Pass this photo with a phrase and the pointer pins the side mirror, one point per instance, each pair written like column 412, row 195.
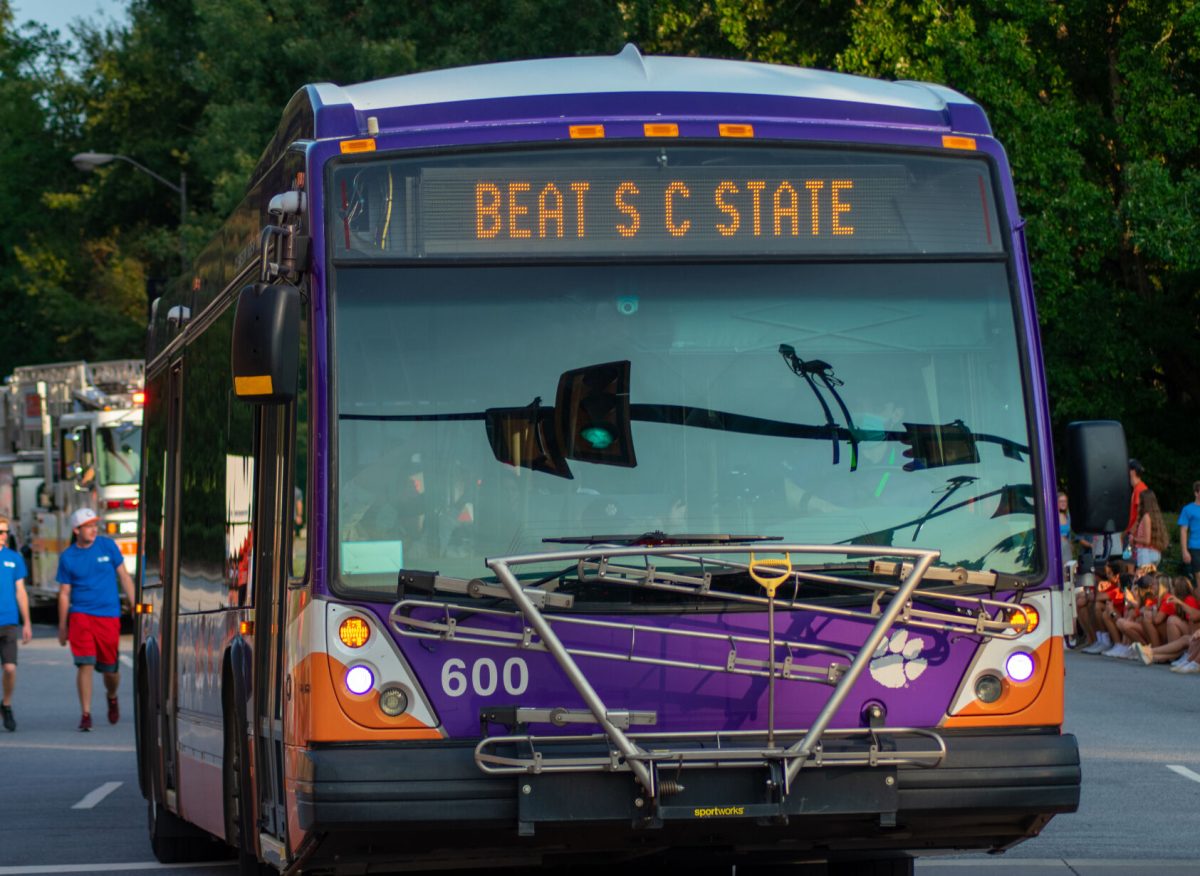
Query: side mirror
column 1098, row 476
column 266, row 343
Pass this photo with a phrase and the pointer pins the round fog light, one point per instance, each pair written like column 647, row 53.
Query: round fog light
column 988, row 688
column 1019, row 666
column 359, row 679
column 393, row 701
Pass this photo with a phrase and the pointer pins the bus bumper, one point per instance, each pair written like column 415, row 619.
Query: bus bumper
column 990, row 792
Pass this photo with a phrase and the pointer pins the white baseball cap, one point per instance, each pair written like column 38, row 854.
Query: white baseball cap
column 82, row 516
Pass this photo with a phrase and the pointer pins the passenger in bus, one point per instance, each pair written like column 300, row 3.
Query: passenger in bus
column 385, row 499
column 91, row 575
column 14, row 619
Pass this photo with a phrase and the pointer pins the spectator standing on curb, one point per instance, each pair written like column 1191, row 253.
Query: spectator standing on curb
column 14, row 620
column 89, row 610
column 1150, row 535
column 1189, row 534
column 1135, row 503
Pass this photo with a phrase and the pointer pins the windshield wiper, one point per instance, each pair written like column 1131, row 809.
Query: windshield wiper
column 658, row 538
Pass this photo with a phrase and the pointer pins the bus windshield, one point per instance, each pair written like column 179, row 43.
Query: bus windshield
column 822, row 401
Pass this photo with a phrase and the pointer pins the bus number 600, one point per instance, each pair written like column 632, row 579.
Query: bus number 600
column 484, row 677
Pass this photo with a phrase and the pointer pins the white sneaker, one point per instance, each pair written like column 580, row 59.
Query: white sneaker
column 1102, row 644
column 1180, row 660
column 1189, row 668
column 1117, row 651
column 1134, row 651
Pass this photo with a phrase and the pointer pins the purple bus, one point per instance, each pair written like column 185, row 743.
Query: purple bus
column 625, row 459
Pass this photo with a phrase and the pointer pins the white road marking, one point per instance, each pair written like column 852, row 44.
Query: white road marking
column 127, row 660
column 1184, row 771
column 91, row 799
column 36, row 869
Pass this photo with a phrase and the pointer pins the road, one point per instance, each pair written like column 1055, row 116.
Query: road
column 69, row 801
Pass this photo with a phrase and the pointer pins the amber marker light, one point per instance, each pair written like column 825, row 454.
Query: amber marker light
column 661, row 129
column 350, row 147
column 354, row 632
column 1024, row 619
column 246, row 628
column 736, row 130
column 143, row 608
column 952, row 142
column 587, row 132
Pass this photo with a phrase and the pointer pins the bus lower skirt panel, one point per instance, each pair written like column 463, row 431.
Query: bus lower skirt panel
column 431, row 804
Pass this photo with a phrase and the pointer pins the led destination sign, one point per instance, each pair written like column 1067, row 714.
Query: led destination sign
column 648, row 211
column 945, row 208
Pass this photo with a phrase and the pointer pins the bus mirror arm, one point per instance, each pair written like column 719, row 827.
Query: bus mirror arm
column 284, row 253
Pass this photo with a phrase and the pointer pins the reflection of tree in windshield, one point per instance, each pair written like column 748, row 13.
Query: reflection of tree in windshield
column 1012, row 499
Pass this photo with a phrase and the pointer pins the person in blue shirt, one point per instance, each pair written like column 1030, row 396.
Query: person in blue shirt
column 14, row 620
column 89, row 610
column 1189, row 534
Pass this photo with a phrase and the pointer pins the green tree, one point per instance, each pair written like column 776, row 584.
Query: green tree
column 1094, row 101
column 1096, row 105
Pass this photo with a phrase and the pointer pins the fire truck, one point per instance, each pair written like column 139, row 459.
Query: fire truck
column 72, row 439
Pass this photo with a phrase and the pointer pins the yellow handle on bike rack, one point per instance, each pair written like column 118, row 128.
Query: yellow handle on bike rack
column 770, row 582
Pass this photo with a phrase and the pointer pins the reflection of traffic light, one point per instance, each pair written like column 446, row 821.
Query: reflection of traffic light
column 933, row 446
column 592, row 414
column 524, row 438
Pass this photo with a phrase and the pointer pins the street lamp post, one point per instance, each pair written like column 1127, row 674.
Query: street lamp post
column 89, row 161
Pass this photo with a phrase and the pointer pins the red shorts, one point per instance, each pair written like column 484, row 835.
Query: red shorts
column 94, row 640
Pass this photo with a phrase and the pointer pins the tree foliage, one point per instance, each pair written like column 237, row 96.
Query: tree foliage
column 1096, row 103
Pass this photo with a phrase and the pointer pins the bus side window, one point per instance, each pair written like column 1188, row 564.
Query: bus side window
column 299, row 553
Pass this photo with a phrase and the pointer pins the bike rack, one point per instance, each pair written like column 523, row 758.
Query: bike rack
column 787, row 751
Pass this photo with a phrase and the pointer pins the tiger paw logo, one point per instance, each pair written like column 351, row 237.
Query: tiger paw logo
column 898, row 660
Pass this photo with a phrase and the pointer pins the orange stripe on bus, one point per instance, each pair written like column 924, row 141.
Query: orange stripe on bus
column 1035, row 703
column 327, row 712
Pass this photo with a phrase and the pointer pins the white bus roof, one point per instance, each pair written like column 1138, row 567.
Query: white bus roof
column 630, row 71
